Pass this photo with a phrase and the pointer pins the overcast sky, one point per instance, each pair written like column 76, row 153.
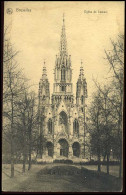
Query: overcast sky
column 36, row 35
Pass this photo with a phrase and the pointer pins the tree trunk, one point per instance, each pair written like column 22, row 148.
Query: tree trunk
column 120, row 167
column 99, row 160
column 23, row 165
column 120, row 162
column 104, row 156
column 12, row 159
column 29, row 162
column 24, row 158
column 41, row 138
column 120, row 145
column 120, row 130
column 24, row 148
column 108, row 164
column 40, row 147
column 29, row 165
column 12, row 141
column 99, row 167
column 98, row 144
column 90, row 155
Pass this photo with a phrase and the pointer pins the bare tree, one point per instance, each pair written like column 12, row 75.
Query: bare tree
column 95, row 128
column 27, row 126
column 13, row 86
column 23, row 105
column 107, row 123
column 115, row 58
column 32, row 124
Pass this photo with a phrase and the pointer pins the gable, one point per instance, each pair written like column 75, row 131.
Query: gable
column 62, row 107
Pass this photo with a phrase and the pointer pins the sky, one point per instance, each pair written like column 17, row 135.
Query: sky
column 89, row 27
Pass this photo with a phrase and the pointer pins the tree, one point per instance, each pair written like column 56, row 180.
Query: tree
column 32, row 124
column 107, row 124
column 13, row 87
column 101, row 125
column 115, row 58
column 95, row 127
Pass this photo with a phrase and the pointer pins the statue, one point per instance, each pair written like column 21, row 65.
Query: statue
column 62, row 125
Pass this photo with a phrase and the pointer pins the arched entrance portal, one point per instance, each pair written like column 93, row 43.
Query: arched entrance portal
column 76, row 149
column 63, row 123
column 64, row 147
column 50, row 149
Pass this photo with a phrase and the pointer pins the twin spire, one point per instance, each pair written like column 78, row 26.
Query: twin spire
column 81, row 75
column 44, row 72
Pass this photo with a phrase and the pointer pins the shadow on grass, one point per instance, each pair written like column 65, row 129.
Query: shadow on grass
column 80, row 179
column 6, row 174
column 16, row 170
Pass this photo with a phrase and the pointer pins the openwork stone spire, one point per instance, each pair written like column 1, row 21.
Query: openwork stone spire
column 81, row 84
column 63, row 87
column 44, row 73
column 63, row 42
column 81, row 75
column 44, row 91
column 63, row 59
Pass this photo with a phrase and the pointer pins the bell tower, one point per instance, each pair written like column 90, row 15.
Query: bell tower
column 62, row 87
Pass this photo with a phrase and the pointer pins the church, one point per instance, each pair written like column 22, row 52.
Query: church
column 62, row 116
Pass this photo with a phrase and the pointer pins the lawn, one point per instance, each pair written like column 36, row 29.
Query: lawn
column 114, row 170
column 59, row 178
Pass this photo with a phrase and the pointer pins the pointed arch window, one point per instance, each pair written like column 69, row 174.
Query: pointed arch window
column 82, row 99
column 62, row 88
column 50, row 126
column 63, row 74
column 76, row 127
column 43, row 97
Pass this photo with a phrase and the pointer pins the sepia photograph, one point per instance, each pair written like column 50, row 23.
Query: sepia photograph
column 63, row 96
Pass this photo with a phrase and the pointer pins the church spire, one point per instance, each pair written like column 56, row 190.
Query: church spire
column 63, row 71
column 81, row 87
column 63, row 42
column 81, row 75
column 44, row 91
column 44, row 73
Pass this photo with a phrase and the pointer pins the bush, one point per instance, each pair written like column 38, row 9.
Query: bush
column 41, row 163
column 65, row 161
column 92, row 162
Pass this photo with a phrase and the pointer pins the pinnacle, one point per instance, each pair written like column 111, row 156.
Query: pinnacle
column 44, row 72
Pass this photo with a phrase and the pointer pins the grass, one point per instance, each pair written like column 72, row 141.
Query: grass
column 114, row 170
column 59, row 178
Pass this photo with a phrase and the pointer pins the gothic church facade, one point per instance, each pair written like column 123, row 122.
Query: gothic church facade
column 62, row 116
